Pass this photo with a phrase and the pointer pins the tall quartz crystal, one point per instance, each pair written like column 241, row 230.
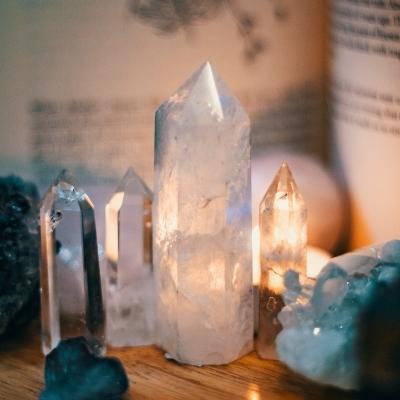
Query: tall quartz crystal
column 130, row 280
column 71, row 297
column 283, row 246
column 202, row 223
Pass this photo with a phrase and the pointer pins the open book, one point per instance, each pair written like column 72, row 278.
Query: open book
column 81, row 81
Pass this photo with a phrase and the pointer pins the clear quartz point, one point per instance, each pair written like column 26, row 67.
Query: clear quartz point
column 283, row 247
column 71, row 296
column 202, row 223
column 130, row 281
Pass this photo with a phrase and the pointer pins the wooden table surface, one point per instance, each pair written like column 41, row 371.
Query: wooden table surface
column 152, row 377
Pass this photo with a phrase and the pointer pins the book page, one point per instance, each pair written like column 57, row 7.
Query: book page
column 81, row 80
column 366, row 113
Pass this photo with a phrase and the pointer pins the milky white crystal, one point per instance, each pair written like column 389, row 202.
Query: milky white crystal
column 130, row 279
column 202, row 223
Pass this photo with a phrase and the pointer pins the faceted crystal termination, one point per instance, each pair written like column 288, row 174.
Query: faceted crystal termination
column 283, row 246
column 202, row 222
column 71, row 298
column 130, row 283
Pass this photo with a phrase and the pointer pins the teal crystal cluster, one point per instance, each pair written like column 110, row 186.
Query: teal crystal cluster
column 321, row 336
column 72, row 371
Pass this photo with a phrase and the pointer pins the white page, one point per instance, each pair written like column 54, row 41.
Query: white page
column 366, row 114
column 81, row 80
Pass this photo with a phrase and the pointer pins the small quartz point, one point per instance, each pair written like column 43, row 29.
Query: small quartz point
column 71, row 297
column 130, row 282
column 202, row 223
column 283, row 246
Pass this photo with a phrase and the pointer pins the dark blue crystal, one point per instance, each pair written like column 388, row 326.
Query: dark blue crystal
column 73, row 372
column 19, row 253
column 379, row 343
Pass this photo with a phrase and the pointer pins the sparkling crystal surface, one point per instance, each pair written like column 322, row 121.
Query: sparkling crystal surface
column 71, row 298
column 130, row 282
column 283, row 245
column 202, row 220
column 321, row 326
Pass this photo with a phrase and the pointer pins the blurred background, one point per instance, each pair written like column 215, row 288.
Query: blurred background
column 81, row 80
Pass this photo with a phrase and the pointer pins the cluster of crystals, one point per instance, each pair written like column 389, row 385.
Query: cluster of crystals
column 283, row 246
column 202, row 222
column 320, row 322
column 130, row 282
column 72, row 371
column 71, row 297
column 19, row 255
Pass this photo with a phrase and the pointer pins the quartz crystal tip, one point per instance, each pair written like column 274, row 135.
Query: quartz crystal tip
column 65, row 176
column 206, row 89
column 133, row 184
column 283, row 192
column 205, row 98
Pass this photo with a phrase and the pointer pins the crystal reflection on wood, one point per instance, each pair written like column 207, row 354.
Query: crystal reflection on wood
column 130, row 282
column 283, row 245
column 71, row 297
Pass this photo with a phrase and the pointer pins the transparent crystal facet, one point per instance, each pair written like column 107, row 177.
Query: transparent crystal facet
column 130, row 283
column 202, row 215
column 283, row 246
column 71, row 297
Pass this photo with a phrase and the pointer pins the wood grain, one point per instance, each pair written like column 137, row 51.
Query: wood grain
column 152, row 377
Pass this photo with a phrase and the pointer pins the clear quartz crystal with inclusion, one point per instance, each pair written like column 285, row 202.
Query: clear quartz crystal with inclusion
column 71, row 296
column 283, row 246
column 202, row 223
column 130, row 280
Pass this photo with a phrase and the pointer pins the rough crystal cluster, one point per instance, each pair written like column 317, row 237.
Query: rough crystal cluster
column 71, row 296
column 19, row 253
column 130, row 280
column 283, row 246
column 72, row 371
column 379, row 344
column 202, row 223
column 321, row 335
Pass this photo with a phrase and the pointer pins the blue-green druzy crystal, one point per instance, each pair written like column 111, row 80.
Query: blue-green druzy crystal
column 73, row 372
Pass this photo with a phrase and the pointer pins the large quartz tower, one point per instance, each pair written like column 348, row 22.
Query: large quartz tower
column 70, row 286
column 202, row 223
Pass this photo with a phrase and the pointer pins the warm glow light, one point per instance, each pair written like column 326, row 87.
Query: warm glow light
column 253, row 393
column 275, row 282
column 316, row 259
column 256, row 254
column 111, row 242
column 283, row 203
column 289, row 235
